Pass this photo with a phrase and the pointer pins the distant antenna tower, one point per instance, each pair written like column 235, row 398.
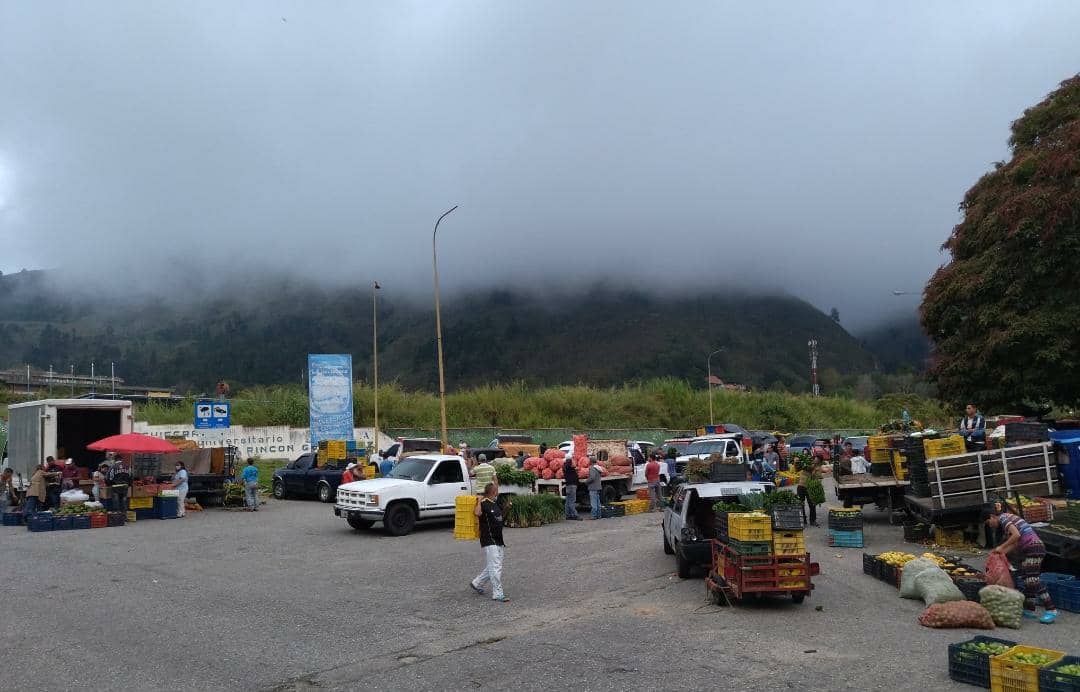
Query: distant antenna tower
column 812, row 343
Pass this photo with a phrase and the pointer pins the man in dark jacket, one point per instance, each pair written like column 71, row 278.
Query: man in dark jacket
column 570, row 484
column 491, row 540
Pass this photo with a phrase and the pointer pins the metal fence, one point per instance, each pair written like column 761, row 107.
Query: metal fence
column 481, row 437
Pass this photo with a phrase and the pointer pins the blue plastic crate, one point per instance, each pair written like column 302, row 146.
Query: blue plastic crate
column 1054, row 576
column 972, row 667
column 144, row 513
column 12, row 518
column 1066, row 595
column 1052, row 681
column 845, row 539
column 166, row 507
column 64, row 523
column 40, row 521
column 80, row 521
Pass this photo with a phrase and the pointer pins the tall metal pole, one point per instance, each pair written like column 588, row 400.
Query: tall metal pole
column 112, row 376
column 27, row 378
column 813, row 365
column 50, row 380
column 708, row 379
column 93, row 382
column 375, row 357
column 72, row 380
column 438, row 331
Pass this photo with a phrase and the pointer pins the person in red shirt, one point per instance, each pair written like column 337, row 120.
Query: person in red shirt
column 652, row 477
column 347, row 476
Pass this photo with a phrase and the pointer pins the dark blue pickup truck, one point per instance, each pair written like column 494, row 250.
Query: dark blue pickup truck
column 304, row 478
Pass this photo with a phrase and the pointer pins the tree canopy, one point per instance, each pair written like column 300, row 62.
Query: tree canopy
column 1004, row 313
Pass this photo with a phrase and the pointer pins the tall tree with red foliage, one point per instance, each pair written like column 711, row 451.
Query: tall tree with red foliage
column 1004, row 313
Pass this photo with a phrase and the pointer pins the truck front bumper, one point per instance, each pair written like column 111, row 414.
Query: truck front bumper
column 371, row 514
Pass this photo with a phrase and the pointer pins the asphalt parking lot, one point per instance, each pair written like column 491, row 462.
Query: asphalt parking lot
column 292, row 599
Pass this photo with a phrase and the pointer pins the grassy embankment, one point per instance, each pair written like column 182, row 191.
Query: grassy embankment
column 665, row 403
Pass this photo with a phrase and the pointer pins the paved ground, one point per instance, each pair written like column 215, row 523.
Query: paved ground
column 291, row 599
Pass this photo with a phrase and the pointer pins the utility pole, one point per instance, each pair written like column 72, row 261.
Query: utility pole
column 50, row 380
column 27, row 378
column 112, row 375
column 812, row 343
column 72, row 380
column 375, row 358
column 438, row 332
column 93, row 382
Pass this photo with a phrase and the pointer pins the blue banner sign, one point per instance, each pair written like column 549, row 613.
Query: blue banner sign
column 330, row 397
column 212, row 414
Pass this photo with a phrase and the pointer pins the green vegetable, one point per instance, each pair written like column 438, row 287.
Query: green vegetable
column 1070, row 669
column 509, row 475
column 989, row 648
column 815, row 491
column 780, row 498
column 1031, row 659
column 534, row 510
column 728, row 507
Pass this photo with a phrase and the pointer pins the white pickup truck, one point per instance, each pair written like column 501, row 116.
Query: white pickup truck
column 690, row 524
column 726, row 445
column 419, row 488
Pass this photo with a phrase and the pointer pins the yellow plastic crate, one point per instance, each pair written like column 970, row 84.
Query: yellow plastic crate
column 950, row 538
column 465, row 502
column 947, row 447
column 789, row 543
column 140, row 503
column 750, row 527
column 335, row 449
column 1007, row 675
column 131, row 516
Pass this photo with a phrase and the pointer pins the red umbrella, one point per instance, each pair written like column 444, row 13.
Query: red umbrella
column 134, row 443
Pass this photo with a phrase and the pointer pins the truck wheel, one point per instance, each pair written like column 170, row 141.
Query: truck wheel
column 279, row 490
column 682, row 565
column 667, row 546
column 609, row 494
column 399, row 520
column 358, row 523
column 798, row 598
column 325, row 494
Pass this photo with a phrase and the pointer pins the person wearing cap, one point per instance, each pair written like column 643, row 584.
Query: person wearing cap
column 250, row 474
column 69, row 475
column 99, row 481
column 386, row 465
column 348, row 476
column 484, row 473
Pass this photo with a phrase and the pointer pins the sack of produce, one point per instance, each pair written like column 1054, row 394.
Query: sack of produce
column 1006, row 605
column 957, row 614
column 531, row 463
column 581, row 445
column 936, row 586
column 997, row 571
column 913, row 569
column 74, row 496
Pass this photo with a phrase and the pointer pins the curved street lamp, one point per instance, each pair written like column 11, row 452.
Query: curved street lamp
column 438, row 329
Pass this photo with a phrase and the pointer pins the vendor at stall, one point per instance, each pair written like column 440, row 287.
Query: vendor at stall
column 69, row 477
column 972, row 426
column 1022, row 544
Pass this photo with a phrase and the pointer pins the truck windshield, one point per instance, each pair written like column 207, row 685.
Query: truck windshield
column 704, row 449
column 412, row 469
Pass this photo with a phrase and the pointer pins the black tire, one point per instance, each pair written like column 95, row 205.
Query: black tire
column 798, row 598
column 608, row 494
column 279, row 490
column 667, row 546
column 324, row 493
column 716, row 597
column 683, row 567
column 399, row 519
column 848, row 504
column 358, row 523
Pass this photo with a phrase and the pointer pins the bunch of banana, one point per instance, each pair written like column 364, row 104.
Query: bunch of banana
column 896, row 558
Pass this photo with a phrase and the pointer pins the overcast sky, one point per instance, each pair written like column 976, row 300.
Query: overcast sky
column 820, row 148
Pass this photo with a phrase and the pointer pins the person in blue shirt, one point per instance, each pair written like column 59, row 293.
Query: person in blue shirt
column 250, row 474
column 973, row 426
column 386, row 466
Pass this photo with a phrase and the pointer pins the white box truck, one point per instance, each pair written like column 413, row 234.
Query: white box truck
column 62, row 428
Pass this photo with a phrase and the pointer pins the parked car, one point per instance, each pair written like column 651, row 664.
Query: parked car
column 727, row 444
column 679, row 443
column 413, row 445
column 420, row 488
column 305, row 478
column 689, row 522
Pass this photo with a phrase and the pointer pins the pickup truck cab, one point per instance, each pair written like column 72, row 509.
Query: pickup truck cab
column 304, row 478
column 690, row 523
column 419, row 488
column 726, row 445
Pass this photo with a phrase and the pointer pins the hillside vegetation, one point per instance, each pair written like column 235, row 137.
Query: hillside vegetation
column 261, row 332
column 663, row 403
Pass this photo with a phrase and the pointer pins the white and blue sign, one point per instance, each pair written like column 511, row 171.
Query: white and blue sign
column 330, row 397
column 212, row 414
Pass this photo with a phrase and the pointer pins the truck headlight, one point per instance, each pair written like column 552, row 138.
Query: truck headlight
column 373, row 500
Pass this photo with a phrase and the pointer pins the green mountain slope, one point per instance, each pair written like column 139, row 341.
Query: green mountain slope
column 261, row 334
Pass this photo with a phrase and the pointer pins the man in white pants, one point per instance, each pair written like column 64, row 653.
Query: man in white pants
column 491, row 540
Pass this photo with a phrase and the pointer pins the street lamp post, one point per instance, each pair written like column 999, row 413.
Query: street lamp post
column 375, row 358
column 438, row 330
column 708, row 380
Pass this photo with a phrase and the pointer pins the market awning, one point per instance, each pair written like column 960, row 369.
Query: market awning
column 134, row 443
